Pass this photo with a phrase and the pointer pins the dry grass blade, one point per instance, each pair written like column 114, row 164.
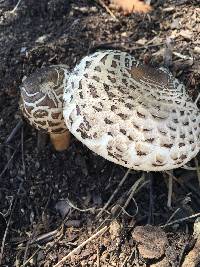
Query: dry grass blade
column 170, row 190
column 15, row 8
column 114, row 193
column 31, row 257
column 14, row 131
column 97, row 234
column 101, row 2
column 9, row 161
column 132, row 191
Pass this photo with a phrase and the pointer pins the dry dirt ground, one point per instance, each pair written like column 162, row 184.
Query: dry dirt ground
column 50, row 202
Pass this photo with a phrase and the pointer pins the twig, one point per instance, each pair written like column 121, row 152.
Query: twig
column 181, row 220
column 15, row 8
column 107, row 9
column 170, row 190
column 14, row 131
column 30, row 258
column 179, row 55
column 173, row 214
column 132, row 192
column 103, row 230
column 114, row 193
column 13, row 204
column 8, row 163
column 170, row 187
column 76, row 208
column 151, row 202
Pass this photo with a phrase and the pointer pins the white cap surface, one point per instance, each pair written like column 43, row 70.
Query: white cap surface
column 131, row 114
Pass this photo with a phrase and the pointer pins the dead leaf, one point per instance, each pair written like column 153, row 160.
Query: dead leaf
column 131, row 6
column 186, row 34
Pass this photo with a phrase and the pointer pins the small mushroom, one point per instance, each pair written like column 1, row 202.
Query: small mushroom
column 130, row 113
column 41, row 103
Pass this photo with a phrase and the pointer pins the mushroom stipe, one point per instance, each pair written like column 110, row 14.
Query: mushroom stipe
column 129, row 113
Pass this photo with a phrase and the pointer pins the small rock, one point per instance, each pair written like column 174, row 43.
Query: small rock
column 63, row 208
column 84, row 10
column 42, row 39
column 141, row 41
column 197, row 49
column 93, row 9
column 23, row 50
column 151, row 240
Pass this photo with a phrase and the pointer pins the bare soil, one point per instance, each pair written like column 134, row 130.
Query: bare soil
column 49, row 201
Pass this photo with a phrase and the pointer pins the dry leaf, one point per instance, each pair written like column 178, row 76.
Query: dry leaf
column 131, row 6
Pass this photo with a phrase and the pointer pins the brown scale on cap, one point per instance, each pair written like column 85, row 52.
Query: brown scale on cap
column 41, row 103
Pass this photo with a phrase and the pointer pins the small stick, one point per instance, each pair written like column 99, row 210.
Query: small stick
column 132, row 192
column 151, row 202
column 30, row 258
column 181, row 220
column 14, row 131
column 107, row 9
column 8, row 163
column 173, row 214
column 15, row 8
column 101, row 231
column 170, row 190
column 12, row 207
column 114, row 193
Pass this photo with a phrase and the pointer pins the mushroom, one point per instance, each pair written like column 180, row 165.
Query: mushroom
column 130, row 113
column 41, row 103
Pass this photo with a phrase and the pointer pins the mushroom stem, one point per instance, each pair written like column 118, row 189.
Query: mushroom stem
column 60, row 141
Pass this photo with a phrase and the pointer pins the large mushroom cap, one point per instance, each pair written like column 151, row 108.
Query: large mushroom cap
column 42, row 99
column 131, row 114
